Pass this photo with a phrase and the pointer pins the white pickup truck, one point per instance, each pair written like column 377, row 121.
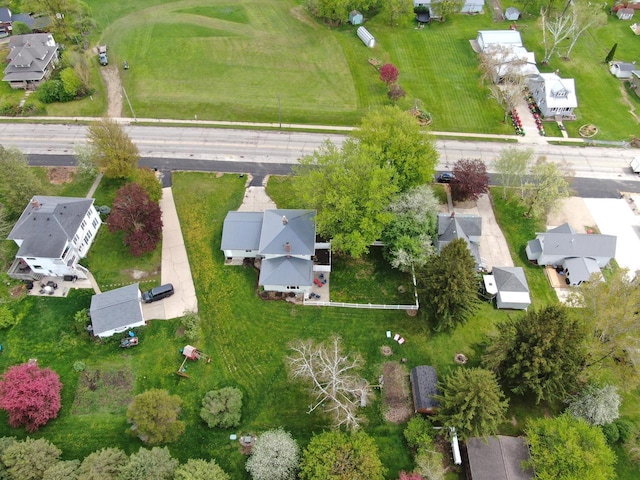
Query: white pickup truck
column 635, row 165
column 102, row 55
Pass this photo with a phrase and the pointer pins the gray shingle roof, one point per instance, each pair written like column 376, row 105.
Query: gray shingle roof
column 510, row 279
column 116, row 309
column 579, row 245
column 424, row 383
column 625, row 67
column 241, row 231
column 46, row 228
column 564, row 228
column 498, row 458
column 293, row 227
column 284, row 270
column 460, row 226
column 580, row 269
column 28, row 57
column 535, row 246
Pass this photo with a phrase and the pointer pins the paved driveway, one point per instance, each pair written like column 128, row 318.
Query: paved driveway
column 175, row 267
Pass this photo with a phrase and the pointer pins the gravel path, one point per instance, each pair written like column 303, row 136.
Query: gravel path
column 111, row 78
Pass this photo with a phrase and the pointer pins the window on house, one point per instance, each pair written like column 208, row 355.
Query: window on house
column 75, row 238
column 37, row 267
column 94, row 223
column 248, row 251
column 83, row 224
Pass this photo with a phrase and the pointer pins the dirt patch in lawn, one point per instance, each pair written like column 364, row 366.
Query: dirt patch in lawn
column 60, row 175
column 111, row 78
column 396, row 393
column 103, row 391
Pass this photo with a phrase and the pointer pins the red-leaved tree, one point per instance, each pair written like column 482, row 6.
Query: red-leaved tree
column 31, row 395
column 139, row 217
column 410, row 476
column 471, row 180
column 389, row 73
column 396, row 92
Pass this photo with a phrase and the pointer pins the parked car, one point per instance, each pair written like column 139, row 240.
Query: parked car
column 445, row 177
column 158, row 293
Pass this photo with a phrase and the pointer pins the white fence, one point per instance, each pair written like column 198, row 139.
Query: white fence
column 372, row 306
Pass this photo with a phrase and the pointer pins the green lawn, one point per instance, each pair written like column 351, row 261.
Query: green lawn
column 247, row 339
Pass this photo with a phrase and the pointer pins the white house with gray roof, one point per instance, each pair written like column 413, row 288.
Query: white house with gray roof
column 283, row 240
column 555, row 96
column 580, row 254
column 31, row 59
column 53, row 234
column 466, row 227
column 116, row 311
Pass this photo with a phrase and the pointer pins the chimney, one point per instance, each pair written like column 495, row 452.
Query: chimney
column 284, row 220
column 35, row 203
column 287, row 247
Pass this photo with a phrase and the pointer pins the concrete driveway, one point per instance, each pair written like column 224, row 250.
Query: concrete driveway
column 493, row 246
column 175, row 267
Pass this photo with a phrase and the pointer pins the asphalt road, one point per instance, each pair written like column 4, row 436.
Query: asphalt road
column 599, row 172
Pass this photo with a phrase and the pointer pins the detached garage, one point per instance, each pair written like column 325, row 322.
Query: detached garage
column 116, row 311
column 513, row 289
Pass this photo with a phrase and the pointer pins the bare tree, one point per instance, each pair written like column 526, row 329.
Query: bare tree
column 504, row 72
column 555, row 28
column 512, row 165
column 333, row 379
column 584, row 16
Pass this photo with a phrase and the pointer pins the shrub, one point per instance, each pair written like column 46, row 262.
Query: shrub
column 611, row 433
column 146, row 178
column 222, row 408
column 81, row 320
column 191, row 323
column 7, row 319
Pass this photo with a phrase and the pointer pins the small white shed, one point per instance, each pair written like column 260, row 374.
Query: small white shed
column 625, row 13
column 512, row 14
column 622, row 69
column 366, row 37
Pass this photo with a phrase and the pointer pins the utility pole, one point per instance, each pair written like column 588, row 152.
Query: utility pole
column 130, row 107
column 279, row 112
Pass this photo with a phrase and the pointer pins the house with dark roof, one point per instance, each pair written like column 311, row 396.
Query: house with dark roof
column 512, row 289
column 424, row 388
column 116, row 311
column 497, row 458
column 468, row 6
column 466, row 227
column 284, row 242
column 580, row 254
column 53, row 234
column 36, row 23
column 31, row 59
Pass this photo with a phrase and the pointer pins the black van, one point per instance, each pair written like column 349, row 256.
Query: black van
column 158, row 293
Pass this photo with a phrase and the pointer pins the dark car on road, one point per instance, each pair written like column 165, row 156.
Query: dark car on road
column 445, row 177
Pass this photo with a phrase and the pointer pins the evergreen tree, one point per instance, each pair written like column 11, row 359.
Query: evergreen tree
column 448, row 286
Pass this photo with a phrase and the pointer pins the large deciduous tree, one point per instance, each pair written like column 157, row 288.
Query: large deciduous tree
column 155, row 463
column 546, row 186
column 566, row 447
column 512, row 165
column 112, row 149
column 540, row 353
column 351, row 187
column 71, row 19
column 351, row 193
column 393, row 137
column 140, row 218
column 611, row 311
column 335, row 455
column 443, row 9
column 408, row 237
column 472, row 402
column 275, row 456
column 471, row 180
column 198, row 469
column 29, row 459
column 585, row 16
column 448, row 287
column 420, row 436
column 596, row 405
column 154, row 417
column 18, row 182
column 30, row 395
column 222, row 408
column 104, row 464
column 555, row 27
column 335, row 384
column 394, row 10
